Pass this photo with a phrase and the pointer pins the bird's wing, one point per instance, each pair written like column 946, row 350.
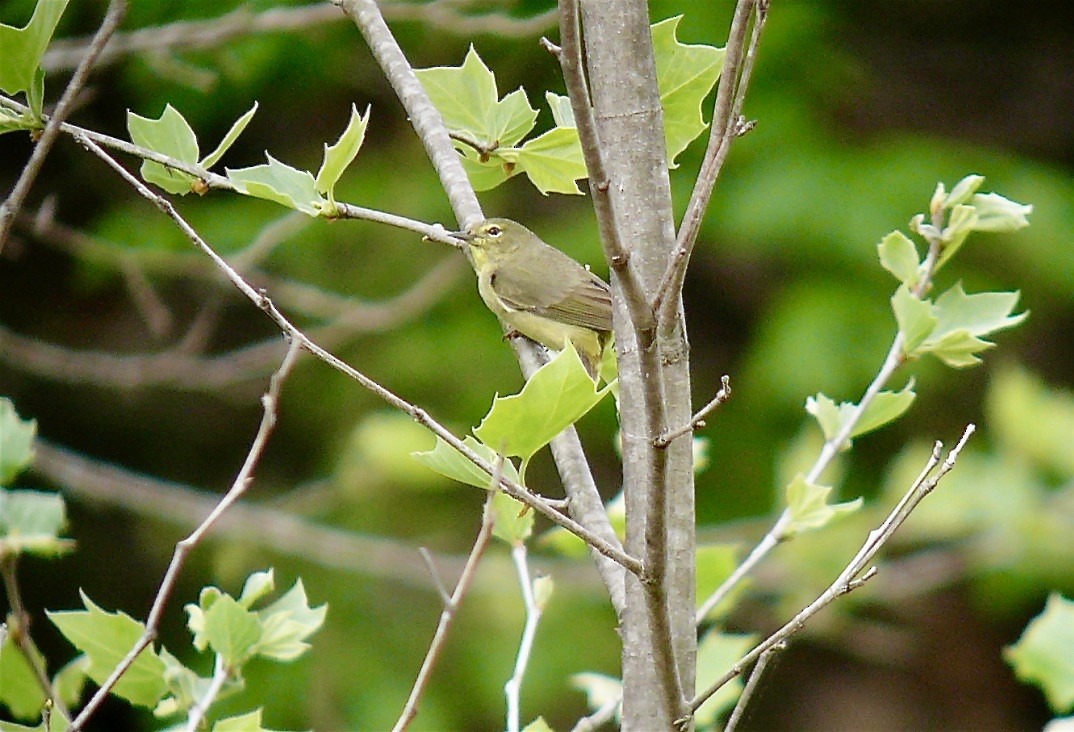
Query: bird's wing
column 580, row 298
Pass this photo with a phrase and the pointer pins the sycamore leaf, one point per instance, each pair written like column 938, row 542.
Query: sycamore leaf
column 467, row 99
column 170, row 135
column 915, row 319
column 21, row 49
column 686, row 75
column 281, row 183
column 809, row 507
column 16, row 442
column 338, row 156
column 513, row 521
column 899, row 256
column 555, row 397
column 106, row 638
column 962, row 322
column 229, row 139
column 553, row 161
column 451, row 463
column 31, row 522
column 20, row 690
column 885, row 407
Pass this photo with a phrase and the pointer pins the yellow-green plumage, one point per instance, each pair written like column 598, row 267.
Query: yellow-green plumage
column 538, row 290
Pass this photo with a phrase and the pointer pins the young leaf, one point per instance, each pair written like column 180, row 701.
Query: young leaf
column 337, row 157
column 809, row 508
column 287, row 623
column 513, row 522
column 885, row 407
column 915, row 318
column 562, row 111
column 898, row 255
column 962, row 191
column 538, row 725
column 229, row 139
column 257, row 585
column 250, row 722
column 16, row 442
column 24, row 47
column 106, row 638
column 20, row 691
column 557, row 396
column 31, row 522
column 686, row 75
column 553, row 161
column 1044, row 655
column 451, row 463
column 169, row 135
column 232, row 631
column 963, row 320
column 467, row 98
column 998, row 214
column 281, row 183
column 484, row 176
column 599, row 689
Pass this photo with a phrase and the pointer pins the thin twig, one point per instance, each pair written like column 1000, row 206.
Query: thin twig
column 849, row 579
column 201, row 705
column 513, row 687
column 270, row 404
column 481, row 543
column 438, row 583
column 751, row 686
column 262, row 301
column 599, row 718
column 698, row 420
column 734, row 81
column 116, row 10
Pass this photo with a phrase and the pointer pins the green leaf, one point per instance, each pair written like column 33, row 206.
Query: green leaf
column 16, row 442
column 70, row 680
column 280, row 183
column 538, row 725
column 24, row 47
column 229, row 139
column 553, row 161
column 963, row 320
column 998, row 214
column 961, row 223
column 484, row 176
column 232, row 631
column 1032, row 420
column 451, row 463
column 20, row 690
column 257, row 585
column 716, row 653
column 915, row 318
column 809, row 507
column 287, row 623
column 513, row 521
column 337, row 157
column 962, row 191
column 686, row 75
column 250, row 722
column 556, row 396
column 35, row 96
column 467, row 98
column 898, row 255
column 106, row 638
column 885, row 407
column 169, row 135
column 562, row 111
column 1044, row 655
column 31, row 522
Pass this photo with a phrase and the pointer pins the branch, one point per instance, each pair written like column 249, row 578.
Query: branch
column 451, row 606
column 198, row 34
column 423, row 116
column 726, row 126
column 698, row 420
column 849, row 579
column 116, row 10
column 534, row 608
column 751, row 686
column 270, row 404
column 262, row 301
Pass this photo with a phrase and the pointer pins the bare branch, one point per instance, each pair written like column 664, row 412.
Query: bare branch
column 481, row 543
column 116, row 10
column 751, row 686
column 857, row 571
column 726, row 126
column 534, row 609
column 270, row 404
column 198, row 34
column 698, row 420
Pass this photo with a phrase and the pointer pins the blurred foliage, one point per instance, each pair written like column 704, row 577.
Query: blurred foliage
column 784, row 294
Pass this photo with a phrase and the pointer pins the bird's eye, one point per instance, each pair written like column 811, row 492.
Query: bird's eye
column 494, row 231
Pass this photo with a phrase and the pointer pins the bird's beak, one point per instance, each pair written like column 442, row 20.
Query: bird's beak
column 464, row 235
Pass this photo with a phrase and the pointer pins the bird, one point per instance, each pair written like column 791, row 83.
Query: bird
column 539, row 291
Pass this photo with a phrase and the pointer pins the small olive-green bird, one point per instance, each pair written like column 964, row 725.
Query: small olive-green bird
column 539, row 291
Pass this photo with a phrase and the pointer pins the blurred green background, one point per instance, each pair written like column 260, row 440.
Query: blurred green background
column 861, row 109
